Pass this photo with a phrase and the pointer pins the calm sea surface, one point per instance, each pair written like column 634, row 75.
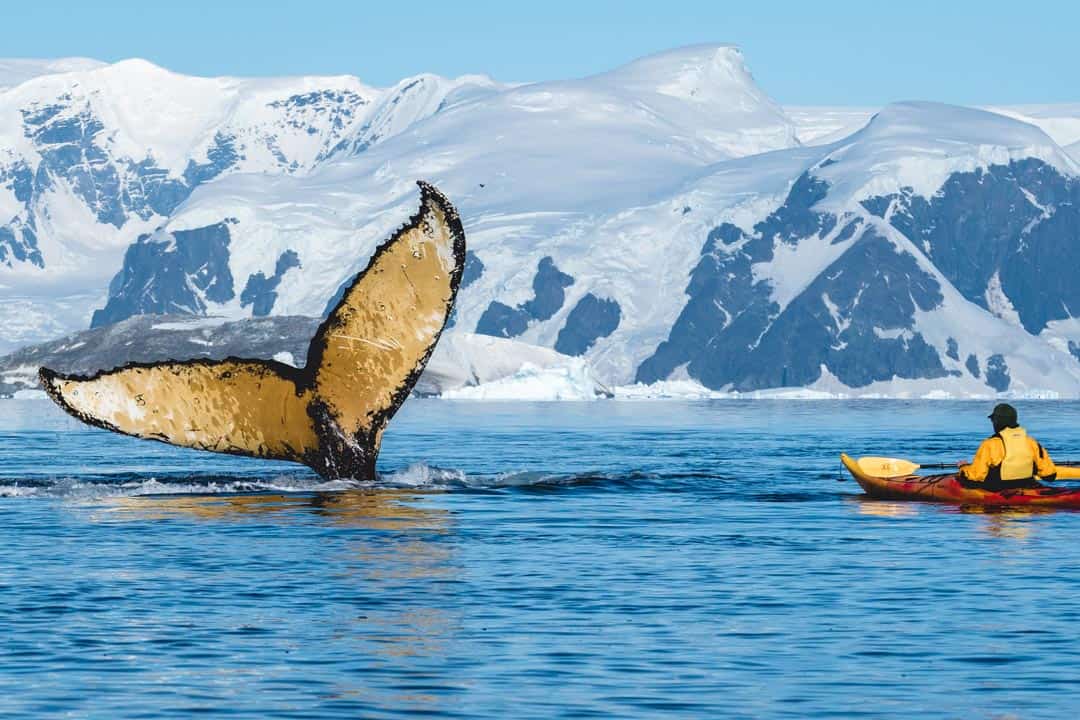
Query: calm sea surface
column 607, row 559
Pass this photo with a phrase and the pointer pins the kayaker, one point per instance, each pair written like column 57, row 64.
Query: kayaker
column 1009, row 458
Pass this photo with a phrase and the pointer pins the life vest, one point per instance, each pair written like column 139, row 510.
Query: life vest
column 1019, row 460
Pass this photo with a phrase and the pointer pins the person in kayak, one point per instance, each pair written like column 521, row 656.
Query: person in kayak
column 1009, row 458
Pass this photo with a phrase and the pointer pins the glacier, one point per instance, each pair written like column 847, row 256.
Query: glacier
column 667, row 223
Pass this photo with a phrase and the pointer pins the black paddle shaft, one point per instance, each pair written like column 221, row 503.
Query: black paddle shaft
column 949, row 466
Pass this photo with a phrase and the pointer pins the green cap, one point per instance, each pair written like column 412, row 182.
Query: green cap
column 1005, row 413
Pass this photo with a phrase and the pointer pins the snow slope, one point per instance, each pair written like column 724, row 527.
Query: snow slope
column 819, row 266
column 1060, row 121
column 819, row 125
column 576, row 170
column 919, row 145
column 664, row 222
column 92, row 160
column 1074, row 151
column 909, row 256
column 15, row 71
column 93, row 156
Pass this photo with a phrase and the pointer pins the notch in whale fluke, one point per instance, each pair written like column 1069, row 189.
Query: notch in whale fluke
column 330, row 415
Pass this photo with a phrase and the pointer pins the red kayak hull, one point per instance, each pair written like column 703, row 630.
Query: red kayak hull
column 949, row 489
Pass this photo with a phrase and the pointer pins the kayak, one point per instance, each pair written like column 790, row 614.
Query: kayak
column 948, row 488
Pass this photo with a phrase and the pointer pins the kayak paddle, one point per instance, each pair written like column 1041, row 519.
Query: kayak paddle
column 884, row 467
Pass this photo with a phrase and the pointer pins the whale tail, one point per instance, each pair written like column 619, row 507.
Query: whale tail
column 361, row 365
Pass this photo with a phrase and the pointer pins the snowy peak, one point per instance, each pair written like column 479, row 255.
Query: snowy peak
column 412, row 100
column 917, row 145
column 709, row 88
column 504, row 149
column 914, row 251
column 93, row 156
column 713, row 75
column 632, row 219
column 533, row 168
column 149, row 111
column 936, row 128
column 15, row 71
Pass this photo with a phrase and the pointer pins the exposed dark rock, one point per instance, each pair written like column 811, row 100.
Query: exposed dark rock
column 19, row 242
column 19, row 179
column 972, row 365
column 502, row 321
column 997, row 373
column 73, row 145
column 1074, row 349
column 1015, row 224
column 728, row 311
column 856, row 318
column 171, row 273
column 795, row 219
column 848, row 232
column 261, row 292
column 338, row 107
column 1019, row 221
column 549, row 285
column 591, row 319
column 221, row 156
column 835, row 323
column 473, row 270
column 71, row 142
column 549, row 294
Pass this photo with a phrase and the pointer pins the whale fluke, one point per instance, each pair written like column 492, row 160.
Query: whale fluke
column 330, row 415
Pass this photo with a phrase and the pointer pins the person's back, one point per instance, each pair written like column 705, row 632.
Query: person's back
column 1009, row 458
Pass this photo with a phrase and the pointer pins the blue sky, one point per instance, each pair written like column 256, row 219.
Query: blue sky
column 838, row 52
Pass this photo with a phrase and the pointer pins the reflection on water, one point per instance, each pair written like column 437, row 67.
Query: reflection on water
column 885, row 508
column 999, row 522
column 1011, row 523
column 397, row 545
column 375, row 508
column 207, row 507
column 1007, row 526
column 534, row 561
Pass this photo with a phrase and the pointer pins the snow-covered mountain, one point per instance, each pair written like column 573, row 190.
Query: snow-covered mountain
column 93, row 156
column 664, row 221
column 819, row 125
column 538, row 171
column 931, row 249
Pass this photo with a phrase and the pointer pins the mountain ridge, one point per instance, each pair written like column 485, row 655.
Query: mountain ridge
column 664, row 221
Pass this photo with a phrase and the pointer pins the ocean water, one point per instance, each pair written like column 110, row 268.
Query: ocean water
column 562, row 560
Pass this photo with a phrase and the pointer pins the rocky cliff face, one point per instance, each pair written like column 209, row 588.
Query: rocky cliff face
column 1005, row 237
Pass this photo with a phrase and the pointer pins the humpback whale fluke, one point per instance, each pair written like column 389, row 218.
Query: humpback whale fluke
column 361, row 365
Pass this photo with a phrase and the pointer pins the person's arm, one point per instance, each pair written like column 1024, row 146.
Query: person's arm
column 980, row 466
column 1044, row 466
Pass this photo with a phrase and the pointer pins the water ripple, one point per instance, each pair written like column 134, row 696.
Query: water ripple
column 617, row 560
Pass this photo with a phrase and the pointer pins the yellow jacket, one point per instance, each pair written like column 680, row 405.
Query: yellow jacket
column 1009, row 455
